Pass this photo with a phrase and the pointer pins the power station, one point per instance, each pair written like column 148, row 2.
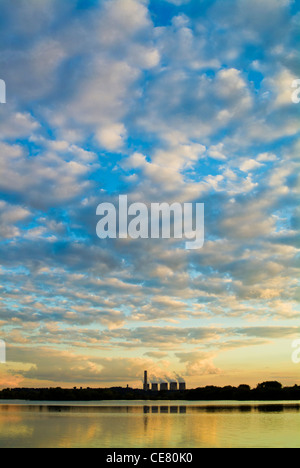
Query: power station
column 171, row 386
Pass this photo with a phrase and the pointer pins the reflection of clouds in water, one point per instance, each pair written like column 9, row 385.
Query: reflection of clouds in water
column 154, row 425
column 12, row 426
column 78, row 426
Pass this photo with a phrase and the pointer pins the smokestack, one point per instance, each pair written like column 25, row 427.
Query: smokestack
column 182, row 386
column 146, row 381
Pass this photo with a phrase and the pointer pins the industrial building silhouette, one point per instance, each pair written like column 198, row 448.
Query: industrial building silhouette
column 172, row 386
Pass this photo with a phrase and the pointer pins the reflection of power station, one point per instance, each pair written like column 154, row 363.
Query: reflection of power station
column 163, row 386
column 164, row 409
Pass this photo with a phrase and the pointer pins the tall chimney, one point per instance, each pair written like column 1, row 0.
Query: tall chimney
column 145, row 381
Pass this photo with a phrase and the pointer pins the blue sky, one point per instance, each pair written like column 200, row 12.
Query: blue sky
column 178, row 100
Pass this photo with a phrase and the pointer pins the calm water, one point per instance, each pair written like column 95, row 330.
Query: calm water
column 139, row 424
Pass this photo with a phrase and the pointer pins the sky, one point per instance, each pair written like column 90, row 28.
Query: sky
column 184, row 101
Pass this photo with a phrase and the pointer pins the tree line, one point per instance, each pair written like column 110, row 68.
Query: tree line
column 264, row 391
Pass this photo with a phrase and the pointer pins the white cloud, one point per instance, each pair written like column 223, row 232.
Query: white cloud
column 249, row 165
column 17, row 124
column 112, row 137
column 10, row 216
column 216, row 152
column 44, row 180
column 267, row 157
column 178, row 2
column 281, row 87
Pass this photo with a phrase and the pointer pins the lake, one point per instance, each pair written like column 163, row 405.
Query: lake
column 151, row 424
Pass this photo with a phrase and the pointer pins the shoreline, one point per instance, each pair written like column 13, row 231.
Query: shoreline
column 268, row 391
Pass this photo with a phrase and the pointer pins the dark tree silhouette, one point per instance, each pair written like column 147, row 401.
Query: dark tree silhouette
column 269, row 386
column 266, row 391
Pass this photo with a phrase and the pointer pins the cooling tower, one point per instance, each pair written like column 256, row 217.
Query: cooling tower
column 173, row 386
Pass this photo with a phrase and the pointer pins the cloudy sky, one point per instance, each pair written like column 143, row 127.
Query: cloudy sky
column 163, row 100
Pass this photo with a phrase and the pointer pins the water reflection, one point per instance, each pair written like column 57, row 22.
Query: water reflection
column 165, row 409
column 150, row 425
column 159, row 409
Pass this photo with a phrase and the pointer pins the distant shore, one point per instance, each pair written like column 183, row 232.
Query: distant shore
column 266, row 391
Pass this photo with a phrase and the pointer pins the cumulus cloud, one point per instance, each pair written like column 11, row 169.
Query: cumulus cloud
column 198, row 364
column 10, row 215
